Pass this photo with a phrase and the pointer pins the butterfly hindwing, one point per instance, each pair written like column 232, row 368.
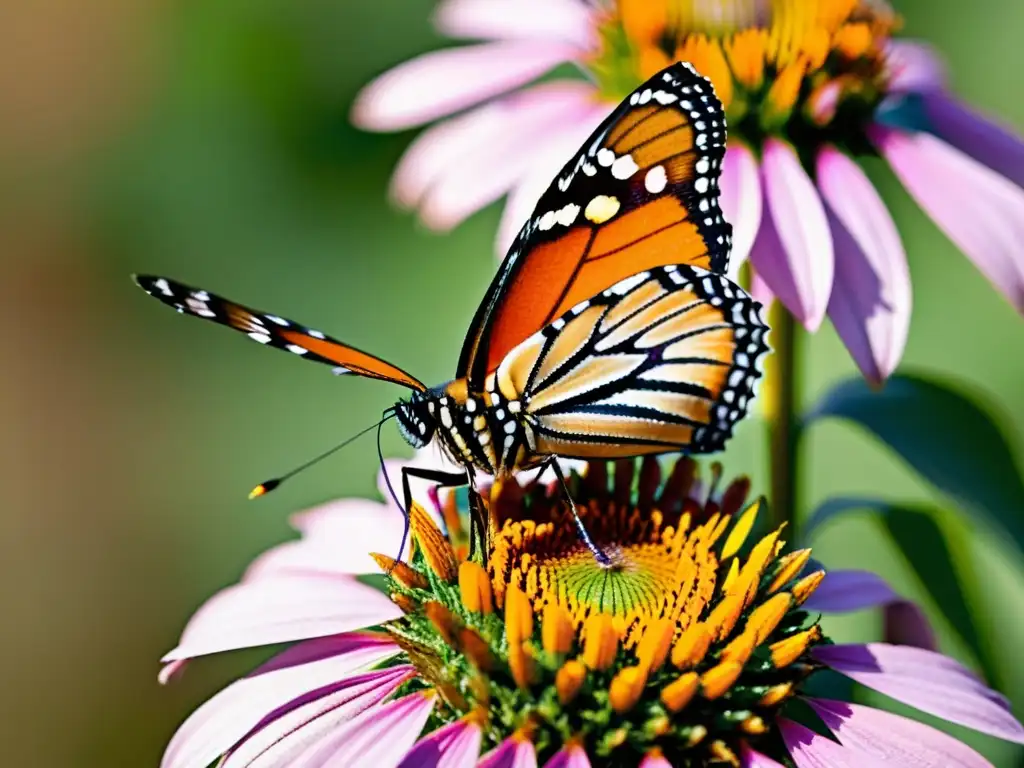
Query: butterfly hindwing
column 274, row 331
column 664, row 360
column 641, row 193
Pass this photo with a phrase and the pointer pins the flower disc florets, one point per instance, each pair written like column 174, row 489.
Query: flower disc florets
column 686, row 645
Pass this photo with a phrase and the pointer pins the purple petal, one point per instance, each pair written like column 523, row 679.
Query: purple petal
column 572, row 756
column 991, row 144
column 914, row 66
column 223, row 720
column 760, row 291
column 444, row 82
column 793, row 250
column 514, row 752
column 547, row 160
column 565, row 21
column 893, row 739
column 751, row 758
column 811, row 750
column 929, row 681
column 507, row 154
column 845, row 591
column 741, row 201
column 870, row 302
column 380, row 737
column 655, row 760
column 280, row 739
column 979, row 210
column 454, row 746
column 281, row 610
column 906, row 624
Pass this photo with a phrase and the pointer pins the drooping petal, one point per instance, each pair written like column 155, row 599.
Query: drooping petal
column 379, row 736
column 904, row 623
column 514, row 752
column 567, row 21
column 912, row 65
column 842, row 591
column 929, row 681
column 751, row 758
column 979, row 210
column 229, row 715
column 894, row 739
column 793, row 250
column 991, row 144
column 741, row 201
column 571, row 756
column 760, row 291
column 456, row 745
column 487, row 169
column 280, row 610
column 811, row 750
column 871, row 297
column 337, row 539
column 444, row 82
column 548, row 159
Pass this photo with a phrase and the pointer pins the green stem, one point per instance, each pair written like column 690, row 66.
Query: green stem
column 781, row 398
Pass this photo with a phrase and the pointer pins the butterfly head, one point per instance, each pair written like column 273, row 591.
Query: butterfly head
column 415, row 419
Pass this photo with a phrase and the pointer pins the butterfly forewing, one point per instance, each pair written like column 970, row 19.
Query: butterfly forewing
column 665, row 360
column 274, row 331
column 641, row 193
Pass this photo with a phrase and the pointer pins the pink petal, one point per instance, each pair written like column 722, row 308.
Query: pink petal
column 741, row 201
column 276, row 687
column 572, row 756
column 998, row 147
column 444, row 82
column 929, row 681
column 565, row 21
column 491, row 165
column 454, row 746
column 279, row 740
column 906, row 624
column 793, row 250
column 760, row 291
column 979, row 210
column 171, row 671
column 281, row 610
column 870, row 302
column 380, row 737
column 753, row 759
column 548, row 159
column 914, row 66
column 514, row 752
column 811, row 750
column 457, row 146
column 843, row 591
column 655, row 760
column 893, row 739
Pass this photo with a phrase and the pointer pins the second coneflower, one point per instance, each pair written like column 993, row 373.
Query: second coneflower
column 693, row 648
column 808, row 86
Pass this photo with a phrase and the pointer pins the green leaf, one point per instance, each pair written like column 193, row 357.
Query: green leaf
column 936, row 550
column 954, row 443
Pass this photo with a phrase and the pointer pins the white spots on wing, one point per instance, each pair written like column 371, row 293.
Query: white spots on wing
column 686, row 104
column 315, row 334
column 703, row 166
column 163, row 286
column 199, row 306
column 262, row 338
column 701, row 185
column 704, row 205
column 656, row 179
column 568, row 214
column 664, row 97
column 601, row 208
column 623, row 287
column 702, row 140
column 514, row 406
column 605, row 157
column 510, row 427
column 341, row 370
column 296, row 349
column 446, row 417
column 624, row 167
column 547, row 221
column 470, row 405
column 277, row 320
column 589, row 169
column 645, row 96
column 201, row 295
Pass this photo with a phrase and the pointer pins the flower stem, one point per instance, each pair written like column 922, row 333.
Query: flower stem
column 781, row 396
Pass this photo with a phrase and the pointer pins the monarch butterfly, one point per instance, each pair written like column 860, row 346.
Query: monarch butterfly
column 609, row 330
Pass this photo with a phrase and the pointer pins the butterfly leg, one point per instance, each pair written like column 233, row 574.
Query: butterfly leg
column 443, row 480
column 598, row 553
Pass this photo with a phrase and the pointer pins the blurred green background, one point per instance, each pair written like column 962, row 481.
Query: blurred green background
column 210, row 141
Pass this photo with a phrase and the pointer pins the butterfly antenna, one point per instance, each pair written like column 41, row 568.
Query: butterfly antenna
column 391, row 490
column 269, row 485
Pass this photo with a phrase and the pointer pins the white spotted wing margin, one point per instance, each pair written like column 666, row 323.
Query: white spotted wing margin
column 273, row 331
column 666, row 360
